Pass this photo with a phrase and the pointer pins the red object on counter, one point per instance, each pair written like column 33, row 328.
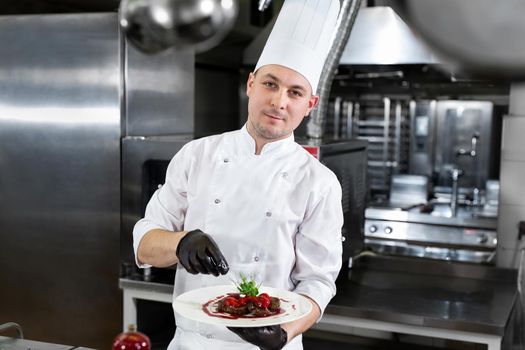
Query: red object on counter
column 132, row 340
column 313, row 150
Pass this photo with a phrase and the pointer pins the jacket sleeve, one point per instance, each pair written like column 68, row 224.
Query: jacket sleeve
column 318, row 245
column 167, row 207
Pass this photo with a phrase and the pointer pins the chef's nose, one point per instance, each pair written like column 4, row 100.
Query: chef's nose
column 279, row 100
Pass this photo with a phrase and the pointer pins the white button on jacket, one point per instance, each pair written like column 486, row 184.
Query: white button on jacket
column 279, row 219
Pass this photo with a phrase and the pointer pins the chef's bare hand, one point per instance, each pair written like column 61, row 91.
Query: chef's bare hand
column 266, row 338
column 198, row 253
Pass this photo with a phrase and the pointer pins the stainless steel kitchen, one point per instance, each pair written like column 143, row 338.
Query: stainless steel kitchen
column 420, row 116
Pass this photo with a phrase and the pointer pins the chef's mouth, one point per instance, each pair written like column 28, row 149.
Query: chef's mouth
column 273, row 116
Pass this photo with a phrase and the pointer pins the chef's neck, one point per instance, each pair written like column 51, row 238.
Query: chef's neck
column 260, row 140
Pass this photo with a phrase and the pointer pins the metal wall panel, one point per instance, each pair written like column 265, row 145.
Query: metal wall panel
column 60, row 177
column 159, row 92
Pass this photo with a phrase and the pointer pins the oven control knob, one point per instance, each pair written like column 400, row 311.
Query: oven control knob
column 388, row 230
column 372, row 229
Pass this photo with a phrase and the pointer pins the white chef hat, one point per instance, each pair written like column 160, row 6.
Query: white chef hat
column 301, row 37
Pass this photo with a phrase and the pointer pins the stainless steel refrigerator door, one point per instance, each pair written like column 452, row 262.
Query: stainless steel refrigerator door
column 60, row 177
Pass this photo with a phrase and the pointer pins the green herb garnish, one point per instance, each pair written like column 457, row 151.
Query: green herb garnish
column 248, row 288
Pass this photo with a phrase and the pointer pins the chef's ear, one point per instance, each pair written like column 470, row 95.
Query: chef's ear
column 312, row 102
column 249, row 83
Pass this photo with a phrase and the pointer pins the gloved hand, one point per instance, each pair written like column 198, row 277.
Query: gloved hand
column 198, row 253
column 266, row 338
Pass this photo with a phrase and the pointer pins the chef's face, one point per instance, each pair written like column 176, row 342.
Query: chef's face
column 279, row 99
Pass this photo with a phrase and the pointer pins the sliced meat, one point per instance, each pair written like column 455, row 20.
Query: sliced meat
column 275, row 304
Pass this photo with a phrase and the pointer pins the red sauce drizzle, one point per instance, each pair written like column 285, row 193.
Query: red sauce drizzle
column 213, row 313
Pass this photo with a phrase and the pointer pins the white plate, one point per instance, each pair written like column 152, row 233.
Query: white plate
column 190, row 305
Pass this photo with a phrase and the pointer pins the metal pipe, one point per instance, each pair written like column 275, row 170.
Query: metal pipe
column 386, row 128
column 456, row 173
column 345, row 22
column 398, row 125
column 349, row 119
column 386, row 141
column 337, row 116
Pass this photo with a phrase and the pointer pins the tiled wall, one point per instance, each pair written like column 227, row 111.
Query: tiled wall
column 512, row 180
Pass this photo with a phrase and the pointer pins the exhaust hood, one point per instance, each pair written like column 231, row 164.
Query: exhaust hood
column 379, row 37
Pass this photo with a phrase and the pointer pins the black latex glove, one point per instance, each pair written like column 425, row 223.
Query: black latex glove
column 198, row 253
column 266, row 338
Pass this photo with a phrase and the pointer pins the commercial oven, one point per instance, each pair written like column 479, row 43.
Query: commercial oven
column 429, row 212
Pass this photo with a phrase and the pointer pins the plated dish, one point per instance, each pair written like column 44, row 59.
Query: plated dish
column 207, row 305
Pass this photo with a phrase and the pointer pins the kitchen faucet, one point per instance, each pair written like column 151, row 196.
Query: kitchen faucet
column 473, row 153
column 455, row 174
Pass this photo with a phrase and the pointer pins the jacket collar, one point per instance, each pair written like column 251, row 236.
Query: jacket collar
column 274, row 147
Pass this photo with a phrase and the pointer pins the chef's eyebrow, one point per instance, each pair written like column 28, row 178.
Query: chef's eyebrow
column 273, row 77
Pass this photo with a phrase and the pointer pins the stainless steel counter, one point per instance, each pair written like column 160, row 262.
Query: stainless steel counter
column 436, row 294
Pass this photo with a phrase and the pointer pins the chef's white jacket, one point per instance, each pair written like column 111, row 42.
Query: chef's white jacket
column 276, row 217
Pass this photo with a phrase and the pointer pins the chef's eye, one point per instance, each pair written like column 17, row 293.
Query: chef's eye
column 296, row 93
column 269, row 84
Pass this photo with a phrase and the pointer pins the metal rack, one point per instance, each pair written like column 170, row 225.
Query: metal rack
column 383, row 122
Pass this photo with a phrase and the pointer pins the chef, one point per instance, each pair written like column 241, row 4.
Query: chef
column 253, row 201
